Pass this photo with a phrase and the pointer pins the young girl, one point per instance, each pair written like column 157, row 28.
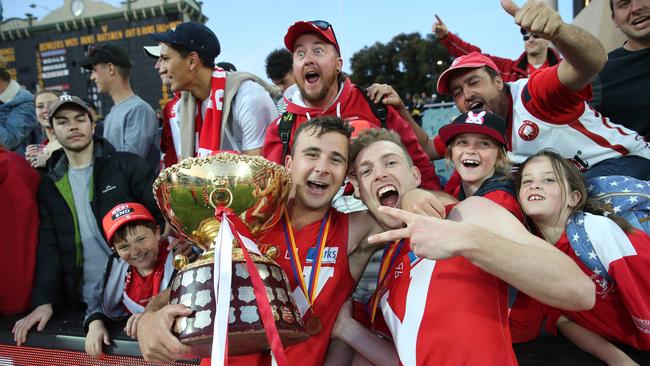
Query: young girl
column 553, row 194
column 140, row 268
column 37, row 155
column 476, row 146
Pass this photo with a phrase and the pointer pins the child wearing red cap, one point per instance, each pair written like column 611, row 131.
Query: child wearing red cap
column 476, row 146
column 140, row 267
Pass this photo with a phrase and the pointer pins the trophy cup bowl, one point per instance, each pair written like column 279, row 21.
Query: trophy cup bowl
column 256, row 190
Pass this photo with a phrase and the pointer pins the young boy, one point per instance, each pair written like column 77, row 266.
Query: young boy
column 140, row 267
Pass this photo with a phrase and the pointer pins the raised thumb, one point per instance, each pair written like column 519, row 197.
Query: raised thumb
column 510, row 7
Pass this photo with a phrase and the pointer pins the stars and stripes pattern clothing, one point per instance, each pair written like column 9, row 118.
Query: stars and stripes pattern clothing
column 627, row 197
column 622, row 309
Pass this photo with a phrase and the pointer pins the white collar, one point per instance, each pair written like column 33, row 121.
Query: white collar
column 10, row 92
column 293, row 94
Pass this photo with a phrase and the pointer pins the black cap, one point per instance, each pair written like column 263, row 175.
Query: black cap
column 106, row 54
column 66, row 100
column 475, row 121
column 227, row 66
column 194, row 37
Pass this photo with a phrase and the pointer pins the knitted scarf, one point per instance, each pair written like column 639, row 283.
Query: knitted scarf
column 209, row 127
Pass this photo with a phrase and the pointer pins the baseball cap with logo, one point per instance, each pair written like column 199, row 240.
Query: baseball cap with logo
column 195, row 37
column 319, row 27
column 475, row 121
column 104, row 54
column 67, row 100
column 123, row 214
column 472, row 60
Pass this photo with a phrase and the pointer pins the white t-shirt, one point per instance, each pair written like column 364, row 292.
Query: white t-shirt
column 252, row 110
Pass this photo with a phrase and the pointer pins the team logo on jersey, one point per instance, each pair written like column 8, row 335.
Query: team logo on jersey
column 529, row 130
column 475, row 118
column 328, row 257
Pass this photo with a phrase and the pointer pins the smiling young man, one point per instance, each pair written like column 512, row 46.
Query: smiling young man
column 318, row 164
column 620, row 91
column 442, row 289
column 131, row 125
column 222, row 111
column 549, row 109
column 322, row 89
column 84, row 180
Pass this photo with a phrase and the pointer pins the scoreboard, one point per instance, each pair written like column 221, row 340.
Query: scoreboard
column 50, row 59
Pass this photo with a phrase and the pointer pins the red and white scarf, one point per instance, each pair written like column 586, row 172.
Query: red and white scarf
column 209, row 128
column 193, row 134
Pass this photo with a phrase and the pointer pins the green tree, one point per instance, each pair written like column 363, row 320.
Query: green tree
column 408, row 62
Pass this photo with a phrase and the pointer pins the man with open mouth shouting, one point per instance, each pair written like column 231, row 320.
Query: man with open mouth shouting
column 441, row 288
column 322, row 89
column 311, row 237
column 549, row 109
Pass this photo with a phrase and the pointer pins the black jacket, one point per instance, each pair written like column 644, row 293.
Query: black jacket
column 118, row 177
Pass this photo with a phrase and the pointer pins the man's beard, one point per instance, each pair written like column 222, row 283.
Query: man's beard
column 320, row 94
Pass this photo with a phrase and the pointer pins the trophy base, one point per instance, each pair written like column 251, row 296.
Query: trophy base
column 193, row 287
column 243, row 343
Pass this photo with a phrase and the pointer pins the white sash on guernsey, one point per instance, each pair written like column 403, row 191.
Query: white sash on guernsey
column 609, row 241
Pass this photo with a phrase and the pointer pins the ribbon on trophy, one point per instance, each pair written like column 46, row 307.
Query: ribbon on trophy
column 236, row 230
column 310, row 289
column 387, row 263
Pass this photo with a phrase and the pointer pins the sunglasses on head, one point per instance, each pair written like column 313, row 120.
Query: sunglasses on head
column 324, row 25
column 92, row 51
column 529, row 35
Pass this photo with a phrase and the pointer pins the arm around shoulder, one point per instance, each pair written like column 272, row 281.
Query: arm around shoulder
column 498, row 243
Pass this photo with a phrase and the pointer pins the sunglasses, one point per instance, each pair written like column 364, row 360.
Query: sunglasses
column 324, row 25
column 92, row 51
column 529, row 35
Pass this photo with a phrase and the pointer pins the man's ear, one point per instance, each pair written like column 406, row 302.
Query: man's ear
column 416, row 175
column 287, row 161
column 352, row 177
column 193, row 60
column 499, row 82
column 339, row 65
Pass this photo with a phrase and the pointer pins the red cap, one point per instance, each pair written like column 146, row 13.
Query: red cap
column 475, row 121
column 470, row 61
column 121, row 215
column 321, row 28
column 359, row 125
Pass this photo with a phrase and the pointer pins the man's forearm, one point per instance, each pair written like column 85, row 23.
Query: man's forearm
column 370, row 346
column 422, row 136
column 583, row 54
column 158, row 301
column 543, row 273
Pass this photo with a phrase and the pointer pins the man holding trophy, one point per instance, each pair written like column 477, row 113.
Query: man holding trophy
column 322, row 251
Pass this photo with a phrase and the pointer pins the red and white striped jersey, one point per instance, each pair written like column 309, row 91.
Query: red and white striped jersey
column 546, row 114
column 446, row 312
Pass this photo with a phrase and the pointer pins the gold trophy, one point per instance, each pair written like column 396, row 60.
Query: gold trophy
column 256, row 191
